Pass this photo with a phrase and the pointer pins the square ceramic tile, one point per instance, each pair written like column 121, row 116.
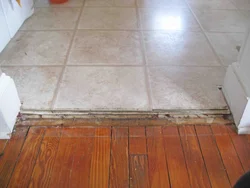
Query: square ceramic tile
column 246, row 13
column 106, row 47
column 161, row 3
column 70, row 3
column 242, row 4
column 110, row 3
column 103, row 88
column 186, row 87
column 178, row 48
column 108, row 18
column 211, row 4
column 227, row 45
column 35, row 85
column 52, row 19
column 222, row 20
column 169, row 19
column 37, row 48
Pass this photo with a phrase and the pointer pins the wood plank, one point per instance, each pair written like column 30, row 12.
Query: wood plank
column 242, row 147
column 11, row 154
column 248, row 138
column 82, row 158
column 2, row 145
column 45, row 161
column 100, row 161
column 24, row 167
column 216, row 171
column 119, row 169
column 158, row 171
column 139, row 171
column 175, row 158
column 60, row 175
column 196, row 167
column 229, row 156
column 137, row 140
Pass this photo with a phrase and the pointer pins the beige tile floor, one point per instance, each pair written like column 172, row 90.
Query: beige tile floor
column 126, row 55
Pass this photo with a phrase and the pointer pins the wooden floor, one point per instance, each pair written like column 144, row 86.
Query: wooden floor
column 185, row 156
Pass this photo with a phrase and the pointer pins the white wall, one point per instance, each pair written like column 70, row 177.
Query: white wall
column 4, row 31
column 16, row 15
column 244, row 61
column 236, row 88
column 12, row 17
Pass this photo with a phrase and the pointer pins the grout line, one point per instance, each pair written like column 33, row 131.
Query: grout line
column 134, row 6
column 112, row 65
column 57, row 7
column 44, row 30
column 105, row 65
column 143, row 51
column 106, row 29
column 206, row 36
column 139, row 65
column 66, row 59
column 29, row 65
column 139, row 29
column 111, row 6
column 224, row 32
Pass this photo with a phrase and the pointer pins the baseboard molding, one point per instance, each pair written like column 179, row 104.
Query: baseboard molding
column 244, row 130
column 9, row 106
column 237, row 96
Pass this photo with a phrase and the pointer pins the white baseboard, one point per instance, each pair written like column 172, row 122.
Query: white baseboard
column 9, row 106
column 237, row 96
column 244, row 130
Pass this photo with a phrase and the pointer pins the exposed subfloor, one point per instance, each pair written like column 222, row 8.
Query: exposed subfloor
column 161, row 156
column 126, row 55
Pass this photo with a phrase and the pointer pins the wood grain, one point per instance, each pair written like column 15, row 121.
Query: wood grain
column 195, row 164
column 45, row 161
column 24, row 167
column 139, row 171
column 11, row 154
column 100, row 161
column 75, row 156
column 175, row 158
column 216, row 170
column 242, row 147
column 82, row 158
column 2, row 145
column 137, row 140
column 60, row 175
column 119, row 169
column 158, row 171
column 229, row 156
